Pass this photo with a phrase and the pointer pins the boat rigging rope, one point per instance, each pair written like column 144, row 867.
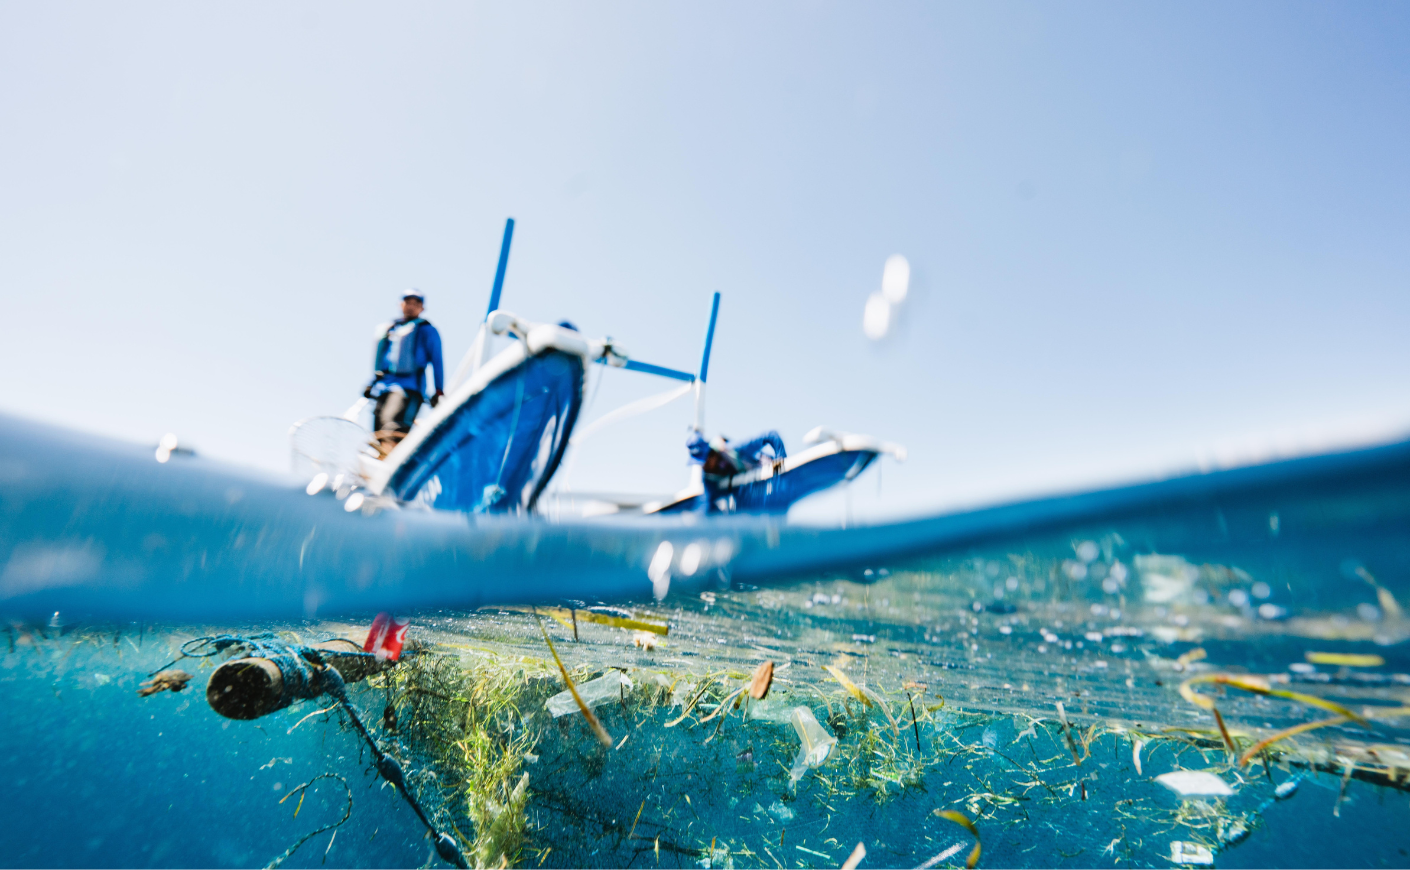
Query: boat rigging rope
column 347, row 813
column 307, row 673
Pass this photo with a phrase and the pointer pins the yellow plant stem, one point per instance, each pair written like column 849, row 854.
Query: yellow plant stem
column 963, row 821
column 1285, row 733
column 602, row 736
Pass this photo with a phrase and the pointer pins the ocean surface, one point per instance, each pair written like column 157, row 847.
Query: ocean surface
column 1024, row 678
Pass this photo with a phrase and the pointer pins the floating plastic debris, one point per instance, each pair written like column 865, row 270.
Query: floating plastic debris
column 1193, row 854
column 817, row 743
column 568, row 617
column 601, row 733
column 386, row 637
column 1233, row 831
column 717, row 858
column 611, row 686
column 1194, row 783
column 1287, row 789
column 682, row 693
column 777, row 711
column 1346, row 660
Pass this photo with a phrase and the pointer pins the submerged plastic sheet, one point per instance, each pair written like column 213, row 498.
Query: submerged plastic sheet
column 497, row 451
column 99, row 527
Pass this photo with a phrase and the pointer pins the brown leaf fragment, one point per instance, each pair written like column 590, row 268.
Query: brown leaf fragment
column 763, row 678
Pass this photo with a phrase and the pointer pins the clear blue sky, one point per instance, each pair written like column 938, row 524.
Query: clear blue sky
column 1143, row 235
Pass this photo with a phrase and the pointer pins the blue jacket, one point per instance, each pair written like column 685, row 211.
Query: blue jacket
column 404, row 351
column 742, row 456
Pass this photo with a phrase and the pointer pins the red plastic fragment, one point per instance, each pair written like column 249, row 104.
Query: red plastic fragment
column 386, row 636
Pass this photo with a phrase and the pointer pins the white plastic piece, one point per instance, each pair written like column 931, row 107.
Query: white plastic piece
column 776, row 711
column 611, row 686
column 682, row 694
column 354, row 502
column 816, row 745
column 319, row 482
column 1190, row 854
column 1194, row 783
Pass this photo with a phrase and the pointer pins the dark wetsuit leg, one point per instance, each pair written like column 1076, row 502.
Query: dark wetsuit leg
column 393, row 415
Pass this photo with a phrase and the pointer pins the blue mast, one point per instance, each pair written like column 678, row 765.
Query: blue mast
column 503, row 265
column 705, row 364
column 709, row 338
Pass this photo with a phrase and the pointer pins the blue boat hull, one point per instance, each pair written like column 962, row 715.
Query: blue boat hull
column 498, row 450
column 775, row 495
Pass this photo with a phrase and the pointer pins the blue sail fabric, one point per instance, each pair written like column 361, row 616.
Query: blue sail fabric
column 496, row 452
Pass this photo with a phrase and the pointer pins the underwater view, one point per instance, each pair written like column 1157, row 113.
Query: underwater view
column 1203, row 671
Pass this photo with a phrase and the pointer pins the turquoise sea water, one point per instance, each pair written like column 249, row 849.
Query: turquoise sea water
column 963, row 634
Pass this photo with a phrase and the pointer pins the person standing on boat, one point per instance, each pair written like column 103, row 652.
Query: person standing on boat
column 721, row 460
column 398, row 385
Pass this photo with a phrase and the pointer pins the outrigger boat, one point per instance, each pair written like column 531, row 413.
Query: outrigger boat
column 494, row 442
column 767, row 485
column 775, row 484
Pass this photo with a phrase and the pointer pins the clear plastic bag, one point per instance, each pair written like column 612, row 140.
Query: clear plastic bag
column 816, row 745
column 611, row 686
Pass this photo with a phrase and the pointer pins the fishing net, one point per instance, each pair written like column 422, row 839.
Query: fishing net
column 1040, row 717
column 1042, row 693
